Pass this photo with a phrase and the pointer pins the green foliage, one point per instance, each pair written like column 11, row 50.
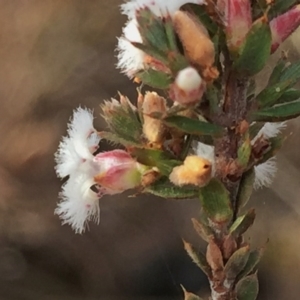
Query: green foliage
column 247, row 288
column 156, row 79
column 242, row 223
column 255, row 50
column 165, row 189
column 215, row 201
column 245, row 188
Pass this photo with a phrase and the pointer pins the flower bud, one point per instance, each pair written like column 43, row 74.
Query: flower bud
column 197, row 45
column 284, row 25
column 238, row 21
column 118, row 171
column 188, row 87
column 153, row 129
column 195, row 170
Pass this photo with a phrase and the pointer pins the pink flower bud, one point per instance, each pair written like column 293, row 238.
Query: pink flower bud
column 238, row 21
column 188, row 87
column 284, row 25
column 118, row 171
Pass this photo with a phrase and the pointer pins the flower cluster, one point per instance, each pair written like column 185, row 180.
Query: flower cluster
column 90, row 176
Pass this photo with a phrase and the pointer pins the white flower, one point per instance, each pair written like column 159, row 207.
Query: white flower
column 265, row 173
column 270, row 130
column 158, row 7
column 75, row 150
column 207, row 152
column 130, row 58
column 79, row 204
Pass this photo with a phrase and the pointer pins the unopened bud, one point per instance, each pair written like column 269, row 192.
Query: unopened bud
column 238, row 21
column 284, row 25
column 153, row 129
column 197, row 45
column 195, row 170
column 188, row 87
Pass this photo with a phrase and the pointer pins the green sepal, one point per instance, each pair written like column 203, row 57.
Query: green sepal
column 155, row 79
column 116, row 139
column 247, row 288
column 245, row 188
column 215, row 201
column 156, row 158
column 242, row 223
column 165, row 189
column 193, row 126
column 277, row 113
column 253, row 260
column 255, row 50
column 236, row 263
column 170, row 34
column 123, row 120
column 244, row 152
column 152, row 30
column 198, row 258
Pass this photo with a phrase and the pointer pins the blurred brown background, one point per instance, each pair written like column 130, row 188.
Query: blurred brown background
column 55, row 55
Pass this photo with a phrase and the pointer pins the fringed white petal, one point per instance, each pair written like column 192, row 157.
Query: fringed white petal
column 270, row 130
column 130, row 58
column 265, row 173
column 206, row 152
column 79, row 204
column 158, row 7
column 75, row 151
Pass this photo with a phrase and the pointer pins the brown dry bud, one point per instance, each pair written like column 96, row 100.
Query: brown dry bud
column 153, row 129
column 197, row 45
column 195, row 170
column 214, row 256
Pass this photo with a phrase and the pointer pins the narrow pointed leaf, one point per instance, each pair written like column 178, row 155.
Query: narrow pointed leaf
column 198, row 258
column 214, row 256
column 165, row 189
column 242, row 223
column 247, row 288
column 244, row 152
column 277, row 71
column 246, row 188
column 253, row 260
column 193, row 126
column 203, row 231
column 278, row 113
column 256, row 48
column 154, row 78
column 215, row 201
column 280, row 6
column 289, row 95
column 236, row 262
column 190, row 296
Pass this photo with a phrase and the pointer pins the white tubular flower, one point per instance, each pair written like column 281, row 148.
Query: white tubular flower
column 130, row 58
column 79, row 204
column 207, row 152
column 160, row 8
column 270, row 130
column 75, row 151
column 265, row 173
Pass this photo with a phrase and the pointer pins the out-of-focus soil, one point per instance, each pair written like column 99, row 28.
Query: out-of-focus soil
column 54, row 56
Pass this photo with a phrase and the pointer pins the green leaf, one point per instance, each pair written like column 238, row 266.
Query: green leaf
column 280, row 6
column 244, row 152
column 212, row 95
column 278, row 113
column 156, row 158
column 152, row 29
column 198, row 258
column 203, row 231
column 253, row 260
column 247, row 288
column 289, row 95
column 193, row 126
column 291, row 73
column 276, row 73
column 245, row 188
column 165, row 189
column 236, row 262
column 170, row 34
column 215, row 201
column 154, row 78
column 242, row 223
column 255, row 50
